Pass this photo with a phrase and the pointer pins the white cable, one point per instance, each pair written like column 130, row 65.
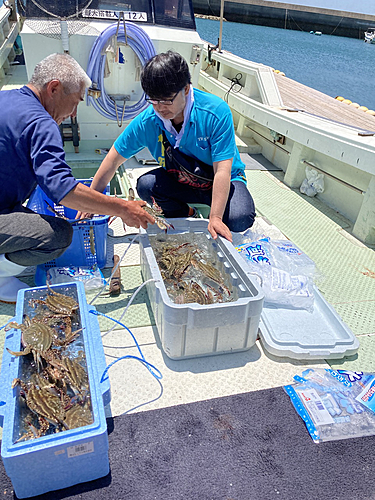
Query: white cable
column 129, row 303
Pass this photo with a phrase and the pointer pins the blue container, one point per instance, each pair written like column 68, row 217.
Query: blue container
column 89, row 244
column 66, row 458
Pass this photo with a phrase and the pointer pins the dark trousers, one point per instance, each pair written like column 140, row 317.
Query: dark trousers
column 173, row 197
column 29, row 239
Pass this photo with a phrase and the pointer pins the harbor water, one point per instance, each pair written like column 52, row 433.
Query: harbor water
column 331, row 64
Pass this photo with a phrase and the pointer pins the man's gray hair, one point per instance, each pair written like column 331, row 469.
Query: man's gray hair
column 62, row 67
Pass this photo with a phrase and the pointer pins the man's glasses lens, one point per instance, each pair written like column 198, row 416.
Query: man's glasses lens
column 163, row 102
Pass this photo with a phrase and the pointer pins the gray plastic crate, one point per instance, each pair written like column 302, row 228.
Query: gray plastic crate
column 191, row 330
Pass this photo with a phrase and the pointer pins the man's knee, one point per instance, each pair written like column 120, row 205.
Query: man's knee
column 239, row 224
column 61, row 235
column 145, row 185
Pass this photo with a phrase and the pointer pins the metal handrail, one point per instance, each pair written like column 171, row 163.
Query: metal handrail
column 268, row 140
column 346, row 184
column 4, row 14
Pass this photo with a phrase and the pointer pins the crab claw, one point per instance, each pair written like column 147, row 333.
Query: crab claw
column 164, row 224
column 155, row 206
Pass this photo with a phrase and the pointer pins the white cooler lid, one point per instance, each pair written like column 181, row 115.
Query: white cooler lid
column 299, row 334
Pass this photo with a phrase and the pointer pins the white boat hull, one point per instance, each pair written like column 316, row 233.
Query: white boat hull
column 286, row 139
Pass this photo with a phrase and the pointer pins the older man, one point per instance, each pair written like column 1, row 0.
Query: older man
column 31, row 152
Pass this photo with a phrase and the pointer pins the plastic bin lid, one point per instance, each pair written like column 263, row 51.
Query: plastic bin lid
column 300, row 334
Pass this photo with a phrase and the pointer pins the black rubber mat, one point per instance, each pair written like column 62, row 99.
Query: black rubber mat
column 241, row 447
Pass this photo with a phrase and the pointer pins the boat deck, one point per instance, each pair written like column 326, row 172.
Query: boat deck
column 349, row 285
column 298, row 96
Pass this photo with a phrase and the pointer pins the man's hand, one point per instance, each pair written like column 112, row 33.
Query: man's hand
column 135, row 215
column 89, row 201
column 216, row 226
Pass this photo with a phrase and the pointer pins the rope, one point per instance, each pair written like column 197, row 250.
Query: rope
column 337, row 26
column 295, row 22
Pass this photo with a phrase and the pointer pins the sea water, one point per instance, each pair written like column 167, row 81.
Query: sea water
column 331, row 64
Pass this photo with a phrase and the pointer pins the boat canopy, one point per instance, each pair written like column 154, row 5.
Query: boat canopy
column 176, row 13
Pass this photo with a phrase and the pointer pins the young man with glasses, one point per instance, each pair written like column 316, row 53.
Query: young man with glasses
column 191, row 135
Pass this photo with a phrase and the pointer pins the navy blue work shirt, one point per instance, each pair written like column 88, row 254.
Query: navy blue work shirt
column 31, row 151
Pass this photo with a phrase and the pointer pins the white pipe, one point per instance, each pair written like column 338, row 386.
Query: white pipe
column 221, row 23
column 64, row 36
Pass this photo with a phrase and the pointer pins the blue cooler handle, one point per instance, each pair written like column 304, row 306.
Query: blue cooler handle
column 100, row 362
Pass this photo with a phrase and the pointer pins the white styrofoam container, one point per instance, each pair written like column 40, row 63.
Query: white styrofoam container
column 191, row 330
column 66, row 458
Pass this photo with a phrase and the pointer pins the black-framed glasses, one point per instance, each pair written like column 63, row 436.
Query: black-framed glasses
column 163, row 102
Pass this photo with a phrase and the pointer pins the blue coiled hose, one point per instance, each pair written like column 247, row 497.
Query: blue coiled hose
column 141, row 44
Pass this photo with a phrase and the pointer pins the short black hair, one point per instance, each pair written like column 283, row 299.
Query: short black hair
column 164, row 75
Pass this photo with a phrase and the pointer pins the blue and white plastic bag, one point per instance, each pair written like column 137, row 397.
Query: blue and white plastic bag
column 91, row 277
column 335, row 404
column 285, row 272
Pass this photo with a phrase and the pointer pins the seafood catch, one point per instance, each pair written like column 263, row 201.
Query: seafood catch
column 45, row 403
column 190, row 272
column 58, row 303
column 193, row 292
column 36, row 338
column 54, row 384
column 155, row 211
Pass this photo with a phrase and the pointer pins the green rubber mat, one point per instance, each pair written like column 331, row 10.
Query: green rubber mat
column 363, row 361
column 139, row 312
column 347, row 265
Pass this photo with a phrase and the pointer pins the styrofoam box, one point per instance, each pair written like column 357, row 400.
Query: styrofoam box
column 191, row 330
column 61, row 459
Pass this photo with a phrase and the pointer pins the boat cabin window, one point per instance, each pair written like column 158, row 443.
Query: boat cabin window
column 176, row 13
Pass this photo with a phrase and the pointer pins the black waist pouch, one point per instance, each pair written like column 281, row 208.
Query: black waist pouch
column 185, row 169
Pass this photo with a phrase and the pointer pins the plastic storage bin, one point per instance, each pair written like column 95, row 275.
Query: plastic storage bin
column 89, row 244
column 61, row 459
column 191, row 330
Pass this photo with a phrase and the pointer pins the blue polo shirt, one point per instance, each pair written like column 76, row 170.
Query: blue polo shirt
column 31, row 151
column 208, row 136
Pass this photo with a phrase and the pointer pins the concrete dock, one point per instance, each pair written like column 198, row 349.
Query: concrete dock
column 289, row 16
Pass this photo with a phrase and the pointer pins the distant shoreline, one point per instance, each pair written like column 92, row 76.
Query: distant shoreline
column 287, row 16
column 213, row 18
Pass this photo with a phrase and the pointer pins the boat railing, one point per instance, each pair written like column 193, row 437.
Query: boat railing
column 250, row 79
column 293, row 139
column 9, row 29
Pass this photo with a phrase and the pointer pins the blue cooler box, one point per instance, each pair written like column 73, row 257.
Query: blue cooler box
column 62, row 459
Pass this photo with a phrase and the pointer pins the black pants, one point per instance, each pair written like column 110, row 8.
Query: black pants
column 173, row 197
